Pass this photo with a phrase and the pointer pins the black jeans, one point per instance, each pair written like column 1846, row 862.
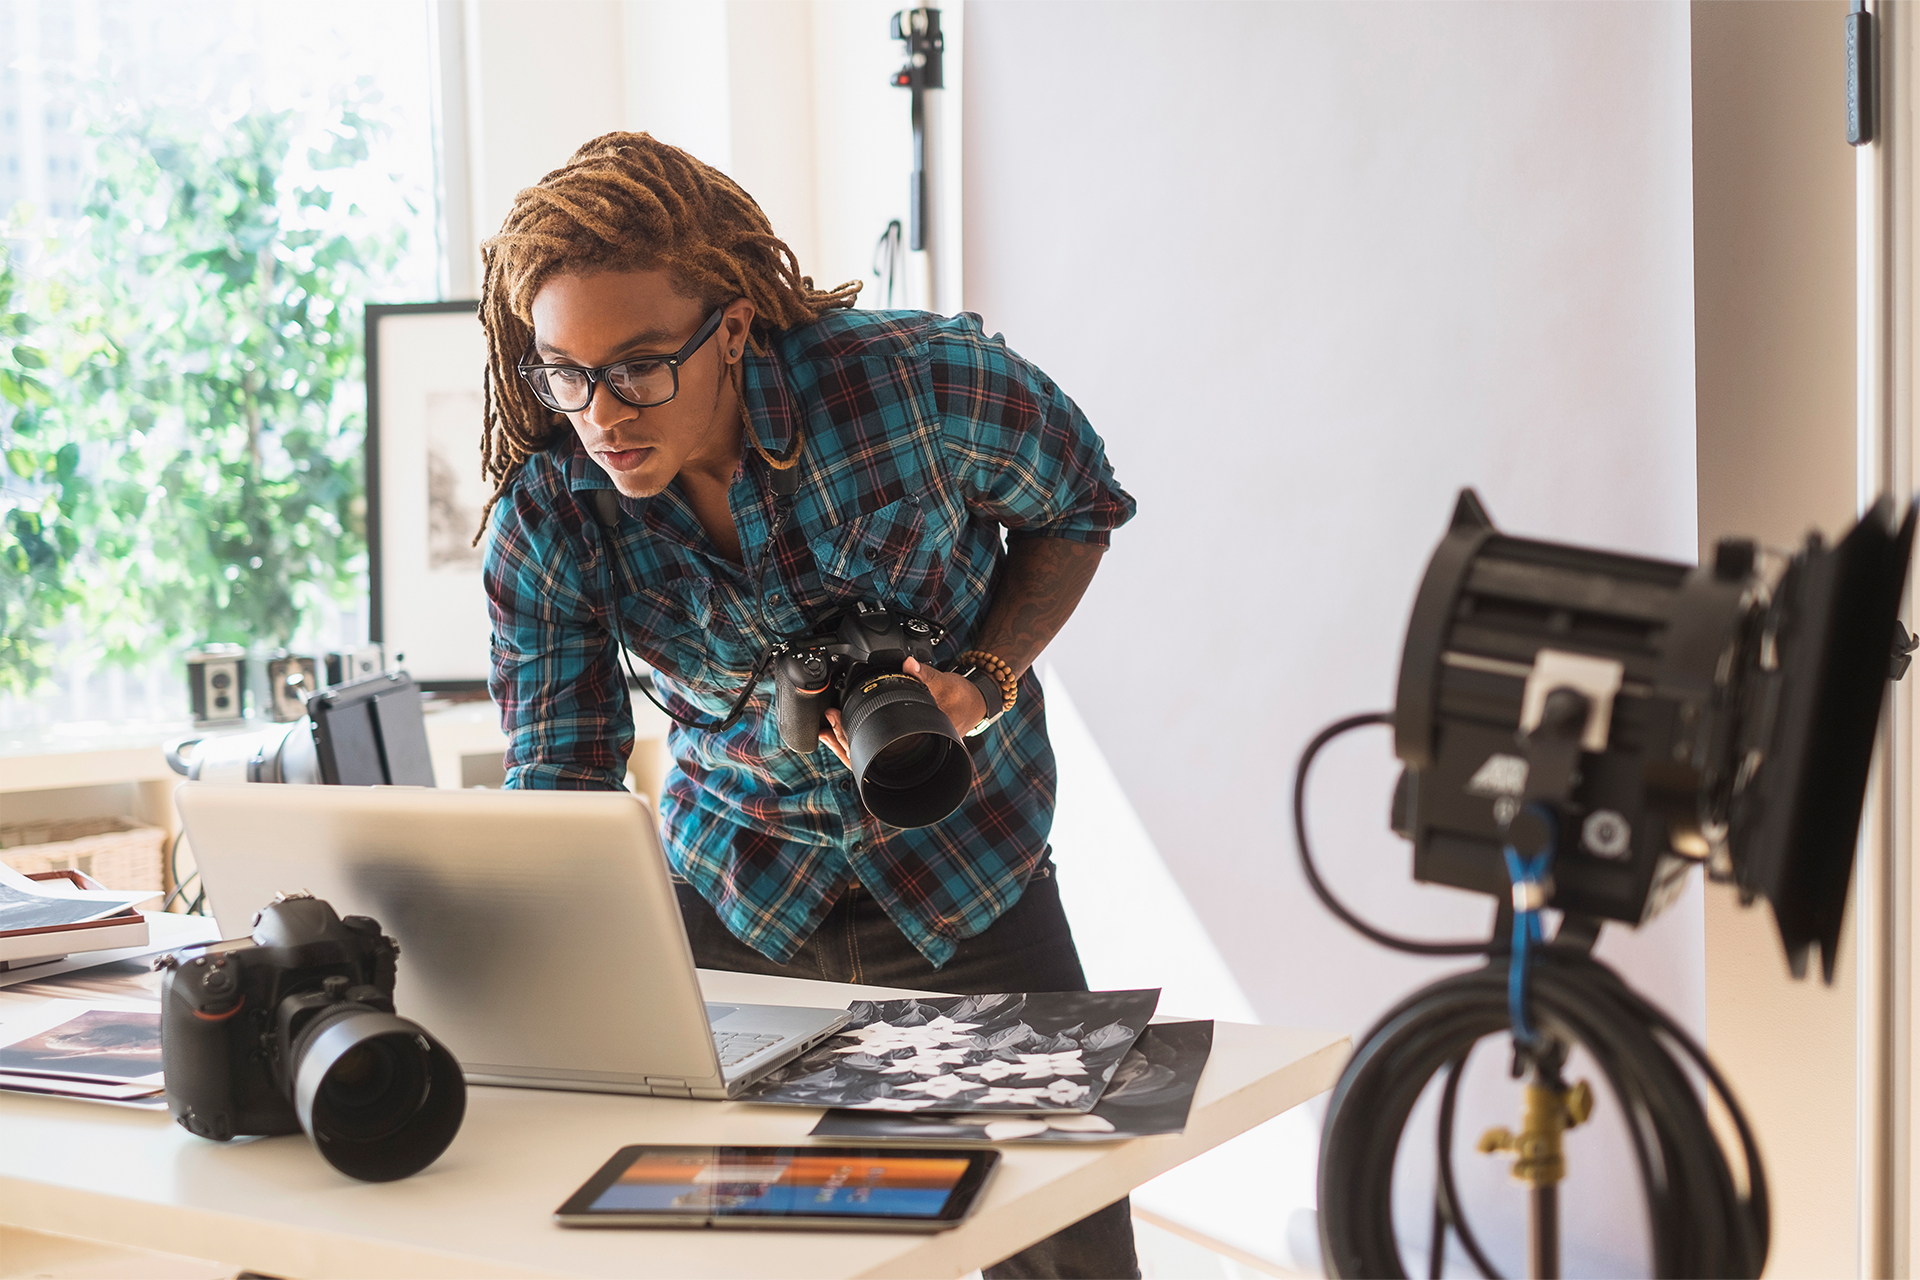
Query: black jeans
column 1029, row 948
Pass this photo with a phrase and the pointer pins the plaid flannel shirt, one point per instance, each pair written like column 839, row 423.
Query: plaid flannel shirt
column 923, row 439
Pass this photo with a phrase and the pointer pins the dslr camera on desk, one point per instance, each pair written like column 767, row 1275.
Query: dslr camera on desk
column 371, row 732
column 294, row 1029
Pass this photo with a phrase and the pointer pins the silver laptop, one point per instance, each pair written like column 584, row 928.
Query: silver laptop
column 539, row 935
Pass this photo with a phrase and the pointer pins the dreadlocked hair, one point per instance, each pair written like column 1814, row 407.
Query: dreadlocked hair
column 625, row 202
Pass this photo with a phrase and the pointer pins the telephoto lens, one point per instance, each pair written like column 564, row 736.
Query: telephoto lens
column 911, row 767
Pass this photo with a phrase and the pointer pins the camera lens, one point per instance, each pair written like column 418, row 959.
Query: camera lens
column 374, row 1088
column 907, row 762
column 380, row 1097
column 911, row 767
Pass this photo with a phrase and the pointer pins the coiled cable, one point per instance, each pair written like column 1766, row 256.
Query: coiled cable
column 1702, row 1223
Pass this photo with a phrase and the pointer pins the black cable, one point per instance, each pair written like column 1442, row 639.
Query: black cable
column 1701, row 1225
column 1319, row 887
column 179, row 890
column 887, row 257
column 616, row 583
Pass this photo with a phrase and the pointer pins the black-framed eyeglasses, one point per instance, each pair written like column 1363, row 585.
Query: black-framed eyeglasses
column 642, row 383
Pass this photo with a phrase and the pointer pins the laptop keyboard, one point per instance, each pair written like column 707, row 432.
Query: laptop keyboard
column 738, row 1046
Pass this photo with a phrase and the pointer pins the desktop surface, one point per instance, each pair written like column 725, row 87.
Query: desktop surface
column 484, row 1209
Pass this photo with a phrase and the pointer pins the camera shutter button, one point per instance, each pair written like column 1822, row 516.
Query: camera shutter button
column 217, row 980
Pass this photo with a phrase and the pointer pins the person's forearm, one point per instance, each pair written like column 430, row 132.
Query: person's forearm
column 1043, row 581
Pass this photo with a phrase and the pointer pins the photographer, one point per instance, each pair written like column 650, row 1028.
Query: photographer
column 703, row 378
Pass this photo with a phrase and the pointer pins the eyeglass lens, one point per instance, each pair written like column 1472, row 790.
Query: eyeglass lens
column 638, row 382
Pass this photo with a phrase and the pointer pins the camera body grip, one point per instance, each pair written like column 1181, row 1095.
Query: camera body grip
column 803, row 686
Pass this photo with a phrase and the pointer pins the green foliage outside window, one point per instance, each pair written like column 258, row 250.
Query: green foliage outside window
column 183, row 417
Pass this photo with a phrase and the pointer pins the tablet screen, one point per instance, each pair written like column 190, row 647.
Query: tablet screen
column 845, row 1183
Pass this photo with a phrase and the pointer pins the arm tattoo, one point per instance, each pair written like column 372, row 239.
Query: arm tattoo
column 1043, row 581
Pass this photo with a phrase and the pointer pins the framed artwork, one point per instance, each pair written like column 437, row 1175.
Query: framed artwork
column 426, row 365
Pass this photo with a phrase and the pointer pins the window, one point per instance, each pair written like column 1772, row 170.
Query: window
column 197, row 201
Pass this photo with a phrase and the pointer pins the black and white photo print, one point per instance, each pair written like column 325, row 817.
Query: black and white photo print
column 1011, row 1054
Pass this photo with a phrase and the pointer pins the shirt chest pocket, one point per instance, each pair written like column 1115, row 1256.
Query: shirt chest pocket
column 668, row 625
column 891, row 553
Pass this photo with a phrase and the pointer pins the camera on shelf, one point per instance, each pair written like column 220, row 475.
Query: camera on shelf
column 292, row 678
column 369, row 733
column 910, row 766
column 344, row 666
column 295, row 1029
column 217, row 683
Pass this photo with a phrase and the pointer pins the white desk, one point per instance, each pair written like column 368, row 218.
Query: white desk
column 273, row 1205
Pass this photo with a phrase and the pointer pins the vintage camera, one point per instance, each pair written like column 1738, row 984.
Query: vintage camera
column 295, row 1029
column 217, row 683
column 344, row 666
column 911, row 768
column 292, row 678
column 1658, row 714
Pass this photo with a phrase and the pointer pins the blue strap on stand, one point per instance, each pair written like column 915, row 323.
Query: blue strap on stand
column 1532, row 885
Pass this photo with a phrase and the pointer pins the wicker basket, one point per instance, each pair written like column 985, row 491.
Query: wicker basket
column 118, row 852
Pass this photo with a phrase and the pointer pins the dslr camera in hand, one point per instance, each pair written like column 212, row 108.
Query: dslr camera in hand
column 909, row 764
column 295, row 1029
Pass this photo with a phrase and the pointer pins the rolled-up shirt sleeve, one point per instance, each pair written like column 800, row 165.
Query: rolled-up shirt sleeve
column 1024, row 454
column 569, row 725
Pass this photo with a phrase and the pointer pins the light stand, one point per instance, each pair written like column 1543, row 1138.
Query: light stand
column 1579, row 728
column 923, row 77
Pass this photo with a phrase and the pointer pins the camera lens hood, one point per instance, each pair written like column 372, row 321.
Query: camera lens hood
column 882, row 716
column 380, row 1097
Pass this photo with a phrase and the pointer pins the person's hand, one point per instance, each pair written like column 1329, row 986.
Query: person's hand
column 956, row 695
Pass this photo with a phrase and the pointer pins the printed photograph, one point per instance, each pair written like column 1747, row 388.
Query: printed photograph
column 1151, row 1092
column 42, row 909
column 100, row 1044
column 455, row 492
column 1008, row 1054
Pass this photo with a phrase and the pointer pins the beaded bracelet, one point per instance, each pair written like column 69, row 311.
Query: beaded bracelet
column 1001, row 671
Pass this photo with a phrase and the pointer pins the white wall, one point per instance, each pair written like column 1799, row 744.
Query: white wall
column 1309, row 268
column 1774, row 299
column 537, row 88
column 788, row 97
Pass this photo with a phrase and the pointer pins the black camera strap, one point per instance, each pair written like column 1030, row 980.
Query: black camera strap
column 785, row 483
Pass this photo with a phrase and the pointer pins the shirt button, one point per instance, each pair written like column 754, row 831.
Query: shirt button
column 846, row 784
column 856, row 846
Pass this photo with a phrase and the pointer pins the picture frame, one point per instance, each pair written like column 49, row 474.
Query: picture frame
column 426, row 370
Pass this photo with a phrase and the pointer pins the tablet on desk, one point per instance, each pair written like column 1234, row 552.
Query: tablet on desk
column 819, row 1188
